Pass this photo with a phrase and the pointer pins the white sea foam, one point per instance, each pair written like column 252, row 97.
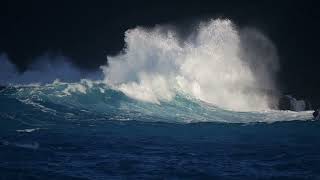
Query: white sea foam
column 216, row 65
column 27, row 130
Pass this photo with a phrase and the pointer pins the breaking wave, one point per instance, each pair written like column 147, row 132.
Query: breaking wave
column 217, row 64
column 220, row 73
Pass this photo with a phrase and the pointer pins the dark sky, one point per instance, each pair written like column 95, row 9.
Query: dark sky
column 87, row 31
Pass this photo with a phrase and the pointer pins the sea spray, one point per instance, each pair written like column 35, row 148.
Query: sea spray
column 213, row 66
column 45, row 69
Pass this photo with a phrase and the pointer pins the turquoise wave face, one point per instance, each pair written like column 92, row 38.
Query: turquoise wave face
column 89, row 100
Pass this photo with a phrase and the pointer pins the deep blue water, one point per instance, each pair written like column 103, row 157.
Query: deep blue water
column 89, row 136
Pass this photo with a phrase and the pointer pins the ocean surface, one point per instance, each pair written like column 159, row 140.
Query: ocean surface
column 91, row 131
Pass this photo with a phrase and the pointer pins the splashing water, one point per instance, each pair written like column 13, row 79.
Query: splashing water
column 214, row 65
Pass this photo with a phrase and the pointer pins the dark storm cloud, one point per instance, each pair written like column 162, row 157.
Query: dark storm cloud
column 87, row 31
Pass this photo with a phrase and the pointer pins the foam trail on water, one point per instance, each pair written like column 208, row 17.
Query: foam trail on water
column 214, row 65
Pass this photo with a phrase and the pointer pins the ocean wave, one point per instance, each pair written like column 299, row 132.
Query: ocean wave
column 96, row 100
column 220, row 73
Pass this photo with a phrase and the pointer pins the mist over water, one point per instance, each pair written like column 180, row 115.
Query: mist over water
column 45, row 69
column 218, row 64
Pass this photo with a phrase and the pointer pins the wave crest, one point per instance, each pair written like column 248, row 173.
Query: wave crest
column 211, row 65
